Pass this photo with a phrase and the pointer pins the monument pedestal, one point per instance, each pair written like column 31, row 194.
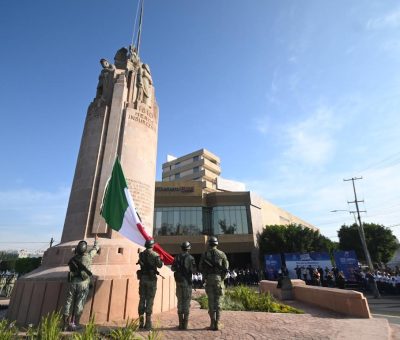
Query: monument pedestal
column 114, row 297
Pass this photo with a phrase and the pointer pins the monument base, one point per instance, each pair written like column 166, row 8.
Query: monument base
column 114, row 297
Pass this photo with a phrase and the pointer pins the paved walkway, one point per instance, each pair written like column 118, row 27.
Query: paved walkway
column 316, row 324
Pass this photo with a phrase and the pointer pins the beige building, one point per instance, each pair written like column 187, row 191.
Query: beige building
column 201, row 165
column 193, row 202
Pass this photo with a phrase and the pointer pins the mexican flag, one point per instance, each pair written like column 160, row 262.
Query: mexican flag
column 118, row 210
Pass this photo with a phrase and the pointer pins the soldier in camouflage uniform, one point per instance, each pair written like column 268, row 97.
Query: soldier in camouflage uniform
column 214, row 266
column 184, row 266
column 149, row 261
column 79, row 282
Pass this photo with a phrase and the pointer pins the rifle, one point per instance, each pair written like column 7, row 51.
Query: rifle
column 77, row 266
column 141, row 263
column 215, row 265
column 181, row 269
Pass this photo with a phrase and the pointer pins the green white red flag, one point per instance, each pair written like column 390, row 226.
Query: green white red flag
column 118, row 210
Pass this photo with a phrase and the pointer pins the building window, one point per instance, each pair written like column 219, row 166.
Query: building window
column 230, row 220
column 177, row 176
column 178, row 221
column 170, row 221
column 196, row 158
column 196, row 169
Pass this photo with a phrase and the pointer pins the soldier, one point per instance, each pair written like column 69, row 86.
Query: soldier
column 149, row 261
column 214, row 266
column 184, row 266
column 79, row 278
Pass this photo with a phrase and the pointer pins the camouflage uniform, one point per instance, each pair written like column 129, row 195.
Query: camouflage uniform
column 183, row 266
column 149, row 261
column 214, row 266
column 79, row 284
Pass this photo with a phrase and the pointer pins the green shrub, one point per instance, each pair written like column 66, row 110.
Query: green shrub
column 8, row 330
column 50, row 327
column 230, row 304
column 154, row 335
column 90, row 332
column 245, row 299
column 126, row 333
column 203, row 301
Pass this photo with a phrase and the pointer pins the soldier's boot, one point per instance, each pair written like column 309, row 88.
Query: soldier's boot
column 217, row 324
column 141, row 321
column 65, row 322
column 148, row 326
column 180, row 316
column 185, row 321
column 212, row 320
column 77, row 321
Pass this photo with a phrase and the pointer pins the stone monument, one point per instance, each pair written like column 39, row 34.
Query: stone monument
column 122, row 120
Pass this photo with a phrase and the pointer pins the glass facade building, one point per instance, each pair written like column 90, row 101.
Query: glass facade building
column 201, row 220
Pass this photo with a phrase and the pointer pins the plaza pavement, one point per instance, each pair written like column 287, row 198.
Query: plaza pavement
column 314, row 324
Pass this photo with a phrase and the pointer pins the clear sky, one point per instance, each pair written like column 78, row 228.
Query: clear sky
column 293, row 96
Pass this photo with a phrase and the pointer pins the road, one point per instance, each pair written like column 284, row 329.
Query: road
column 388, row 306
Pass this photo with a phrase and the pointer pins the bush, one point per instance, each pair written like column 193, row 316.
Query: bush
column 26, row 265
column 246, row 299
column 90, row 332
column 50, row 327
column 8, row 330
column 126, row 333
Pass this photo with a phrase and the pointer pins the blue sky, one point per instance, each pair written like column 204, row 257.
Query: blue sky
column 296, row 96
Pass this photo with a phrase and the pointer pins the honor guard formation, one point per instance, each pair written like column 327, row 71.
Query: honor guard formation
column 213, row 268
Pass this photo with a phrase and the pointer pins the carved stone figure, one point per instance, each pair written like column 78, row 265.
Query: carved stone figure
column 144, row 85
column 106, row 83
column 121, row 58
column 133, row 56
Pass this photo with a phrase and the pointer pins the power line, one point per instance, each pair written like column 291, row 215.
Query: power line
column 373, row 165
column 12, row 242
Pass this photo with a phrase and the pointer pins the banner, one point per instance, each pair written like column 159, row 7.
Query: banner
column 347, row 262
column 272, row 265
column 306, row 260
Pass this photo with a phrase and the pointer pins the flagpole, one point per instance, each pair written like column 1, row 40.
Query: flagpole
column 140, row 27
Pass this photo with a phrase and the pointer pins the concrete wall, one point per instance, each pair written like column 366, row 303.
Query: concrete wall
column 348, row 302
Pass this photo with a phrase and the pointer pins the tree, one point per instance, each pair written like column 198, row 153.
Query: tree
column 381, row 242
column 26, row 265
column 291, row 239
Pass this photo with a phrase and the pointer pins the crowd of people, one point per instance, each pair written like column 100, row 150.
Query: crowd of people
column 234, row 277
column 317, row 276
column 387, row 280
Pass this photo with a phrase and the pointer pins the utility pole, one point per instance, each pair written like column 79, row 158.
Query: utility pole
column 362, row 236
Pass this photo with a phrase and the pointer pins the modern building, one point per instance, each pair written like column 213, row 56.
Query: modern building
column 200, row 165
column 193, row 202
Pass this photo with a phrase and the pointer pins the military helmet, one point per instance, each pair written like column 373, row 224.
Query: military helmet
column 186, row 245
column 149, row 244
column 213, row 241
column 81, row 247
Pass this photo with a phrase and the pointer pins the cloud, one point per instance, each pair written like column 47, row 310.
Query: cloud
column 263, row 124
column 390, row 20
column 311, row 141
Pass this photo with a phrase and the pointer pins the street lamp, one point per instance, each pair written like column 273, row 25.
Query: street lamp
column 350, row 212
